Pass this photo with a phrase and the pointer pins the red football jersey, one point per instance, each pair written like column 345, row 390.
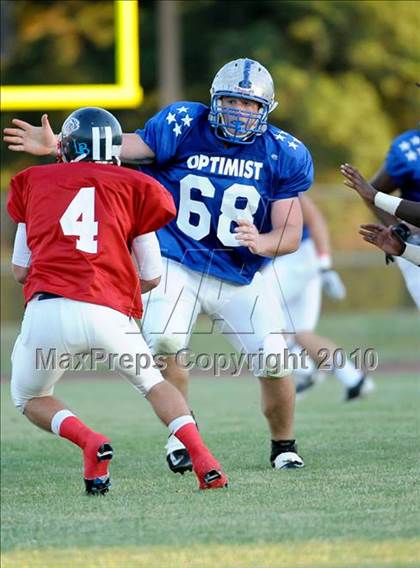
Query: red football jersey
column 81, row 219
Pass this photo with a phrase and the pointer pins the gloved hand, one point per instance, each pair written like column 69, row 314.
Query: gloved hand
column 332, row 285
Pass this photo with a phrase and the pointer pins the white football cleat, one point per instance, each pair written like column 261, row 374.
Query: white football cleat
column 287, row 460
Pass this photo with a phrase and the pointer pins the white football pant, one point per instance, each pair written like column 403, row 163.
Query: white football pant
column 55, row 328
column 411, row 275
column 296, row 281
column 249, row 316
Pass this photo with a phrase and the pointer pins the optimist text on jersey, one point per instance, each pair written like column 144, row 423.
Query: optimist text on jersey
column 214, row 184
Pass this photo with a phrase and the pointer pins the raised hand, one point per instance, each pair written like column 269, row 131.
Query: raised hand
column 355, row 180
column 36, row 140
column 382, row 237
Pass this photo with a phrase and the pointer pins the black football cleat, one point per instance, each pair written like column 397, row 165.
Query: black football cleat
column 214, row 479
column 287, row 458
column 305, row 384
column 100, row 485
column 364, row 387
column 179, row 461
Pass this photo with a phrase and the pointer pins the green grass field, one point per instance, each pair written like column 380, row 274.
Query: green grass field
column 355, row 504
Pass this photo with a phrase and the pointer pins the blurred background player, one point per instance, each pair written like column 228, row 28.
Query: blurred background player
column 299, row 279
column 401, row 172
column 393, row 239
column 78, row 222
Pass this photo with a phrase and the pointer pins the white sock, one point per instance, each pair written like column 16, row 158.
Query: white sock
column 179, row 422
column 349, row 376
column 58, row 418
column 305, row 365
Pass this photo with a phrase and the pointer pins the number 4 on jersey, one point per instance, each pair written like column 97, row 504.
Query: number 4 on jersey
column 79, row 220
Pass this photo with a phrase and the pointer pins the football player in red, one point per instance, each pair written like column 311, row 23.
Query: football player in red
column 79, row 221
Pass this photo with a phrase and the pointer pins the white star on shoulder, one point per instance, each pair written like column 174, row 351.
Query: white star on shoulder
column 177, row 129
column 186, row 120
column 292, row 145
column 182, row 109
column 411, row 156
column 170, row 118
column 280, row 136
column 415, row 140
column 404, row 146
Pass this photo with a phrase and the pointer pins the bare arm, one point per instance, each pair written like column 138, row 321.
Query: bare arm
column 315, row 220
column 409, row 211
column 41, row 141
column 401, row 208
column 20, row 273
column 382, row 182
column 284, row 238
column 147, row 285
column 332, row 284
column 134, row 149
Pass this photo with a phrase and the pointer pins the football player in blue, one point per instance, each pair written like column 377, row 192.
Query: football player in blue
column 401, row 171
column 393, row 240
column 236, row 182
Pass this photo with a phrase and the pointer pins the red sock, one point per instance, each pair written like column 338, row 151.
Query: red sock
column 202, row 459
column 74, row 430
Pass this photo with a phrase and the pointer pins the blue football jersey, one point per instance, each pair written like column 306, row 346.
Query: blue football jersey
column 215, row 183
column 403, row 164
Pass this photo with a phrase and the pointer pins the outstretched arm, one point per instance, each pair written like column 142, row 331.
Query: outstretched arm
column 41, row 141
column 380, row 182
column 36, row 140
column 395, row 206
column 386, row 238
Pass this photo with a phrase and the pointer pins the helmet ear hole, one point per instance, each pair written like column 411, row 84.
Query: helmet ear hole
column 242, row 79
column 91, row 134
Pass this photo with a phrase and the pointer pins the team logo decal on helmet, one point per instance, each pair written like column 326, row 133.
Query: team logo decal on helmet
column 70, row 126
column 91, row 134
column 242, row 79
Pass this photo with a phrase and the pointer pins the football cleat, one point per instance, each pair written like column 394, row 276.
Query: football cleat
column 179, row 461
column 305, row 384
column 286, row 459
column 214, row 479
column 177, row 457
column 100, row 485
column 362, row 388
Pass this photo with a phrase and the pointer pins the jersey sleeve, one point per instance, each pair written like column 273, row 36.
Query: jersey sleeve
column 398, row 163
column 296, row 173
column 155, row 207
column 165, row 130
column 15, row 202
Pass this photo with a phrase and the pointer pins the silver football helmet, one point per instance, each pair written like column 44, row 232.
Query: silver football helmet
column 243, row 79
